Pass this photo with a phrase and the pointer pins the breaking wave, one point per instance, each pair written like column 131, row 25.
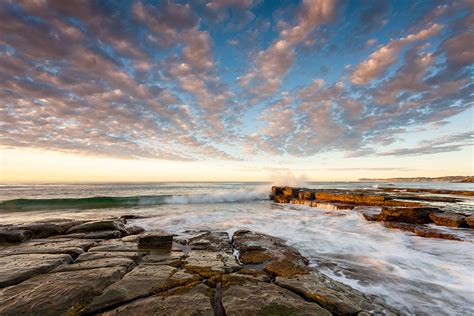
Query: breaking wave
column 131, row 201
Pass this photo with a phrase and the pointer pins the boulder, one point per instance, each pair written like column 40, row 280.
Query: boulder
column 470, row 220
column 14, row 235
column 290, row 192
column 448, row 219
column 155, row 240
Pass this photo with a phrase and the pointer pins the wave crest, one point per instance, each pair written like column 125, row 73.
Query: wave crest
column 131, row 201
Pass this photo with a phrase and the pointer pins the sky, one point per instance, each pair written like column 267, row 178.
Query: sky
column 235, row 90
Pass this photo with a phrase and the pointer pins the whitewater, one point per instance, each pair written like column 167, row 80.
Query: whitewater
column 417, row 275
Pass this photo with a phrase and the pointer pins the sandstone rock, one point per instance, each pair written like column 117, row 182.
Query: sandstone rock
column 213, row 241
column 290, row 192
column 195, row 300
column 421, row 230
column 350, row 198
column 56, row 293
column 142, row 281
column 411, row 215
column 305, row 195
column 447, row 219
column 99, row 263
column 17, row 268
column 172, row 258
column 134, row 230
column 90, row 256
column 14, row 235
column 209, row 264
column 470, row 220
column 155, row 240
column 266, row 299
column 277, row 190
column 49, row 246
column 276, row 257
column 106, row 234
column 98, row 226
column 115, row 245
column 43, row 230
column 336, row 297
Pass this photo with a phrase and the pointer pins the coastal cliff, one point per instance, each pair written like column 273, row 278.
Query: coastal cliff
column 454, row 179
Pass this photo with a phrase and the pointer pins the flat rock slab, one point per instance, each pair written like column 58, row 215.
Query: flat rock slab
column 99, row 263
column 334, row 296
column 56, row 293
column 98, row 226
column 188, row 301
column 155, row 240
column 410, row 215
column 17, row 268
column 210, row 263
column 422, row 230
column 14, row 235
column 90, row 256
column 266, row 299
column 106, row 234
column 48, row 246
column 448, row 219
column 272, row 254
column 142, row 281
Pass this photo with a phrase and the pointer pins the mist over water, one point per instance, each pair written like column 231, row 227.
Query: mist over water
column 418, row 275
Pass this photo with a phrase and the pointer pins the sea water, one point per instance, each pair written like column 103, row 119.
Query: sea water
column 417, row 275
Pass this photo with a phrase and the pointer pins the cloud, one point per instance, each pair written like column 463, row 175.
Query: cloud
column 274, row 63
column 444, row 144
column 146, row 80
column 387, row 55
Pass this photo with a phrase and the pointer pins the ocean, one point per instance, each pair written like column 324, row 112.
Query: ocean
column 415, row 274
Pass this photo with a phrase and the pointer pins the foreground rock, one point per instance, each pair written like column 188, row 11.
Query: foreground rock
column 155, row 273
column 396, row 211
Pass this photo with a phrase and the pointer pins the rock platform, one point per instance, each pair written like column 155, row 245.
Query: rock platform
column 413, row 210
column 110, row 268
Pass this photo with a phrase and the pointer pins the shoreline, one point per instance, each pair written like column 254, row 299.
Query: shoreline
column 111, row 268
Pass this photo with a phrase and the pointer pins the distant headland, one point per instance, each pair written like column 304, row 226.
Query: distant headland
column 458, row 179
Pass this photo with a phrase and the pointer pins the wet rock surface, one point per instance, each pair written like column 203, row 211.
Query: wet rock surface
column 407, row 209
column 196, row 273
